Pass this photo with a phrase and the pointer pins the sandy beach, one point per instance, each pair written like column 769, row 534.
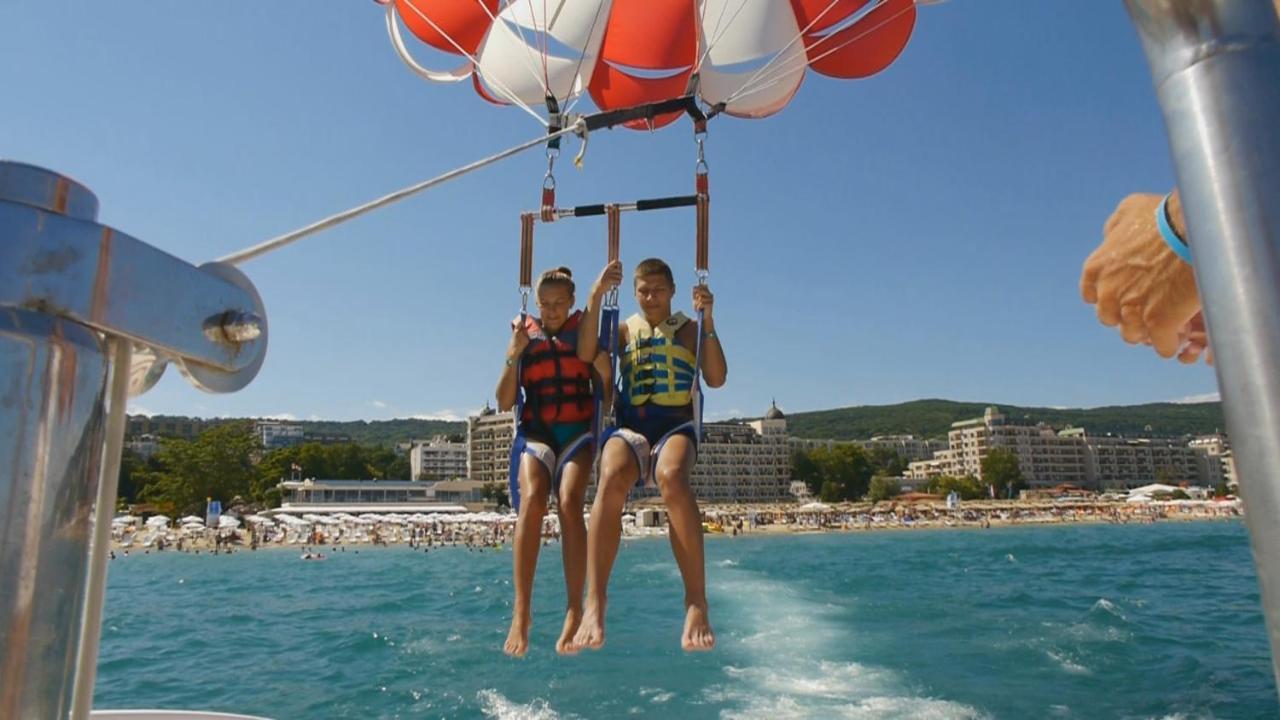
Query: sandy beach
column 316, row 534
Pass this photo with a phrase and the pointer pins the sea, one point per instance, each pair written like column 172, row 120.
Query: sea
column 1064, row 621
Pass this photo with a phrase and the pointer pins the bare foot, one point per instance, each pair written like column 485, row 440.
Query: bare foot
column 590, row 633
column 518, row 637
column 697, row 630
column 565, row 645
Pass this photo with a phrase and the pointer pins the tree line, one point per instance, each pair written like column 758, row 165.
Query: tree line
column 849, row 473
column 227, row 462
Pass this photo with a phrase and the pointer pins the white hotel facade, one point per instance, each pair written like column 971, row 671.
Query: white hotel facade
column 737, row 462
column 1073, row 456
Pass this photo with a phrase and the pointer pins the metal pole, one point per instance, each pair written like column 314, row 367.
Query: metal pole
column 117, row 352
column 1216, row 67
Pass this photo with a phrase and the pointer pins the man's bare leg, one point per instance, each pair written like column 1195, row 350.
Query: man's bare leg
column 675, row 462
column 618, row 473
column 535, row 486
column 573, row 544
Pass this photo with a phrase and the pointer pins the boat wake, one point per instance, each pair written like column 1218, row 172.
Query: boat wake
column 788, row 663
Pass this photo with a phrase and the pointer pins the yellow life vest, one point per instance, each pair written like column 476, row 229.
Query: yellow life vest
column 655, row 367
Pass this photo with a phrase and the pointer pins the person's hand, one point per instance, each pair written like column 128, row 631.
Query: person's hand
column 1137, row 282
column 519, row 339
column 1193, row 340
column 610, row 278
column 703, row 301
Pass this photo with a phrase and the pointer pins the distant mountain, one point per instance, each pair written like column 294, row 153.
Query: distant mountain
column 922, row 418
column 365, row 432
column 933, row 418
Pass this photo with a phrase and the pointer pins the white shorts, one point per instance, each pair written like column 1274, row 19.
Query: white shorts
column 646, row 456
column 543, row 453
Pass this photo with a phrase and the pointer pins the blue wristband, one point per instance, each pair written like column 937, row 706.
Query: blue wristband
column 1175, row 243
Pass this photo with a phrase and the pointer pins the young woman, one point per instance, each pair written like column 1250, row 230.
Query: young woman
column 549, row 363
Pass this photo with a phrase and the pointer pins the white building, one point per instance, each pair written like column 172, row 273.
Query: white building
column 1047, row 458
column 489, row 438
column 908, row 447
column 744, row 462
column 1044, row 457
column 276, row 434
column 360, row 496
column 737, row 462
column 438, row 459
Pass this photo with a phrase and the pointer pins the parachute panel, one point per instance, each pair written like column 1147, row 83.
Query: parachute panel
column 453, row 26
column 867, row 46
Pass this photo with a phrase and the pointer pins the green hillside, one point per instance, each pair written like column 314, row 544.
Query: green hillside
column 933, row 418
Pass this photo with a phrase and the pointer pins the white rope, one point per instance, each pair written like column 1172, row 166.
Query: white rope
column 582, row 89
column 278, row 242
column 498, row 85
column 781, row 73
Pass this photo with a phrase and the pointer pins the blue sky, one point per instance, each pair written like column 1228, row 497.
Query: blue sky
column 917, row 234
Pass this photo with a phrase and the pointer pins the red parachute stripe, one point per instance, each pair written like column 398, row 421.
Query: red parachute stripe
column 629, row 41
column 483, row 91
column 807, row 10
column 866, row 47
column 651, row 34
column 460, row 21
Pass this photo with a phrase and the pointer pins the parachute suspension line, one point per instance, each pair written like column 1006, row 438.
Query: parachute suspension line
column 578, row 69
column 498, row 84
column 280, row 241
column 780, row 73
column 529, row 62
column 702, row 259
column 541, row 41
column 799, row 36
column 721, row 29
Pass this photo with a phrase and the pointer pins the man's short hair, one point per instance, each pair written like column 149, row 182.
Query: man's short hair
column 654, row 266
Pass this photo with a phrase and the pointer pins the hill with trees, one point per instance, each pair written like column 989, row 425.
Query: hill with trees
column 933, row 418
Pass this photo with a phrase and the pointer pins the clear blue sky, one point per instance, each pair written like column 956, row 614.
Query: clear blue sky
column 917, row 234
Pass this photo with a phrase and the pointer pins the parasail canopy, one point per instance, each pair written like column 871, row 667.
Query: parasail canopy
column 747, row 58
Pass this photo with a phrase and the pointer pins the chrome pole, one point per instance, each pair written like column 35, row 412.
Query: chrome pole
column 1216, row 67
column 82, row 306
column 118, row 354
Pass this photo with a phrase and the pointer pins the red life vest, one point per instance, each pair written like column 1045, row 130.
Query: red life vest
column 557, row 385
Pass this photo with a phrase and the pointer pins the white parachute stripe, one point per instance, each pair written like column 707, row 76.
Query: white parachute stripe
column 716, row 33
column 794, row 39
column 757, row 30
column 760, row 30
column 462, row 72
column 530, row 62
column 576, row 28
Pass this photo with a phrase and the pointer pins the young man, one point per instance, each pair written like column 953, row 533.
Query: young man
column 655, row 443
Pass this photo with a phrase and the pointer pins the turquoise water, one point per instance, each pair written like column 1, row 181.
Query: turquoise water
column 1072, row 621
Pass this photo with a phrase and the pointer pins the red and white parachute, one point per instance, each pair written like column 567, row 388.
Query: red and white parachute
column 749, row 57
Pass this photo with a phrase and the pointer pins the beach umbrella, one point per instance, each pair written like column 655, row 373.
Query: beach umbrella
column 157, row 521
column 226, row 521
column 192, row 519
